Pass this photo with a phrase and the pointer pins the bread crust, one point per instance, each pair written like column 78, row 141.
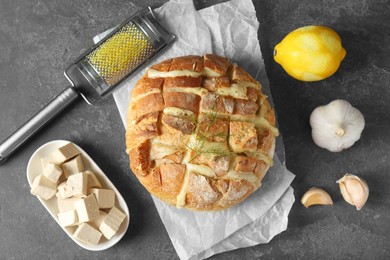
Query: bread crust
column 182, row 82
column 192, row 142
column 147, row 85
column 182, row 100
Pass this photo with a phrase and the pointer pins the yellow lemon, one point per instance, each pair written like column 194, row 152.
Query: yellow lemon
column 310, row 53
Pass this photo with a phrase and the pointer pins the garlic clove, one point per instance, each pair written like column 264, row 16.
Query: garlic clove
column 344, row 193
column 354, row 190
column 337, row 125
column 316, row 196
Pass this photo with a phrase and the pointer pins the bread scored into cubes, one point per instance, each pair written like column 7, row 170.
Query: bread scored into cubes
column 200, row 132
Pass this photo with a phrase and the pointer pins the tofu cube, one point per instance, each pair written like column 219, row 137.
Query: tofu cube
column 104, row 197
column 44, row 162
column 52, row 172
column 73, row 166
column 68, row 218
column 98, row 221
column 64, row 153
column 87, row 234
column 43, row 187
column 63, row 191
column 66, row 204
column 93, row 181
column 112, row 222
column 87, row 208
column 77, row 183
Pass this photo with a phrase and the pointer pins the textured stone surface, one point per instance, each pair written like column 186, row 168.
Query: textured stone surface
column 39, row 38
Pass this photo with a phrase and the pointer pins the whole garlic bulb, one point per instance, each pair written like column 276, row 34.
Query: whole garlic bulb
column 354, row 190
column 337, row 125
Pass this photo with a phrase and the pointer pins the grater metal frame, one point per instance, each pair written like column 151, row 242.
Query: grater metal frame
column 157, row 36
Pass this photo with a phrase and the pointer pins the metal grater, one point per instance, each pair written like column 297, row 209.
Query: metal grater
column 99, row 70
column 118, row 55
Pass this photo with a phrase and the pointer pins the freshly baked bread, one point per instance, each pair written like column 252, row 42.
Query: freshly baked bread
column 200, row 132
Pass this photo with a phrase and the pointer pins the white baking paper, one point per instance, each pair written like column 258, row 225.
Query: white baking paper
column 228, row 29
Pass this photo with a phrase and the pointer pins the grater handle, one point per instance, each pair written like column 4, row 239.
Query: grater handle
column 20, row 136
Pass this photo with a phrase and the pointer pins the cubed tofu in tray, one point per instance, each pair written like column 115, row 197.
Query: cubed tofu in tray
column 83, row 201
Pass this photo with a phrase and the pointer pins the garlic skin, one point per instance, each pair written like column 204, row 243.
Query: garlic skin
column 354, row 190
column 316, row 196
column 337, row 125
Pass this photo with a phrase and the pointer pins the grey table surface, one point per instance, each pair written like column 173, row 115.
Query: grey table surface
column 39, row 38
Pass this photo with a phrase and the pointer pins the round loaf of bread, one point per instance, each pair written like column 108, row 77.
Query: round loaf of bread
column 200, row 132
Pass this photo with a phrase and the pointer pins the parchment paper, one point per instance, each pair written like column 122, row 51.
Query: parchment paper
column 228, row 29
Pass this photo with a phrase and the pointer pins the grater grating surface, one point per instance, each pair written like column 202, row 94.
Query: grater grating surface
column 121, row 53
column 102, row 68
